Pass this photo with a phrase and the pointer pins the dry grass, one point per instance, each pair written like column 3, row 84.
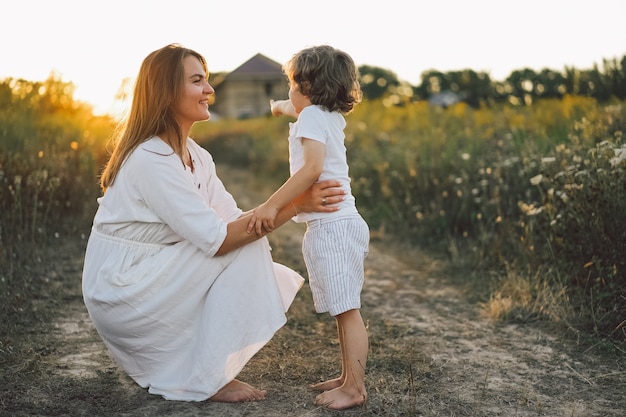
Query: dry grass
column 521, row 298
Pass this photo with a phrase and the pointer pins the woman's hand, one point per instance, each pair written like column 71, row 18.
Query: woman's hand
column 321, row 197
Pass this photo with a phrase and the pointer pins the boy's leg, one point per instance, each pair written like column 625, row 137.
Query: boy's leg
column 354, row 342
column 335, row 382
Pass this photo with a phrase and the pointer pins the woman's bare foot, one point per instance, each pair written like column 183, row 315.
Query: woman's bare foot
column 236, row 391
column 340, row 398
column 327, row 385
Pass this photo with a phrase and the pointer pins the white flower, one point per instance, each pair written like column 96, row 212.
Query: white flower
column 536, row 180
column 620, row 155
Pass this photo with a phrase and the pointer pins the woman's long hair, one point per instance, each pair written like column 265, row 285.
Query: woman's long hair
column 157, row 88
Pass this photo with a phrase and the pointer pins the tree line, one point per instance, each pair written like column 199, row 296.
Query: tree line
column 521, row 87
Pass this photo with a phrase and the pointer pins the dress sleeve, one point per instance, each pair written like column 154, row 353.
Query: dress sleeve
column 166, row 188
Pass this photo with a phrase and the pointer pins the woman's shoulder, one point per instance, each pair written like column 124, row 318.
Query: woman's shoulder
column 156, row 145
column 151, row 151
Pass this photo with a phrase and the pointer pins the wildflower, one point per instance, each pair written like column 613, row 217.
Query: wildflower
column 536, row 180
column 37, row 178
column 620, row 155
column 534, row 211
column 54, row 183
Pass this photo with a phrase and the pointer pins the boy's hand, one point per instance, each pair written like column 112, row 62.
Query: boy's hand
column 262, row 218
column 282, row 107
column 276, row 107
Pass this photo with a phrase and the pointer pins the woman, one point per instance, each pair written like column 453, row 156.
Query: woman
column 180, row 293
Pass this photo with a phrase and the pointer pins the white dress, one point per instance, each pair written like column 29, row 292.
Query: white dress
column 179, row 320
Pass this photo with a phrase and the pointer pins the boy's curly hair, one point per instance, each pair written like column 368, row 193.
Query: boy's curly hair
column 328, row 76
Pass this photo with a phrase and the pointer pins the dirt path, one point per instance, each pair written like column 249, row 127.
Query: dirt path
column 448, row 361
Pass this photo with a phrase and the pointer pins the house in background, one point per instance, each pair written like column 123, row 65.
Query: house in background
column 246, row 91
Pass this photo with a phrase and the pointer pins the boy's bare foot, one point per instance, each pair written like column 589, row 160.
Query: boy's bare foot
column 340, row 399
column 326, row 385
column 236, row 391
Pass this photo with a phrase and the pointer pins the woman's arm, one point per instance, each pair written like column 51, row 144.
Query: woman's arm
column 320, row 197
column 264, row 215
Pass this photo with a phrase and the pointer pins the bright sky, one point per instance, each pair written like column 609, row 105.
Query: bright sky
column 96, row 44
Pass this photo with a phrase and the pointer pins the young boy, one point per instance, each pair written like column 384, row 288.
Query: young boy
column 323, row 87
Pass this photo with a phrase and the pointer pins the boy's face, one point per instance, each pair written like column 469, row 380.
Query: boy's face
column 298, row 100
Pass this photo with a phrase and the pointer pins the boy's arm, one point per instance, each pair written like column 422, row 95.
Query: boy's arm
column 263, row 216
column 283, row 107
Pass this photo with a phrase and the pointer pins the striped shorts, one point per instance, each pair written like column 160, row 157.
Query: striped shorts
column 334, row 252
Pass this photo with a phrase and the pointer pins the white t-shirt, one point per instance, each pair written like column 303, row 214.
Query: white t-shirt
column 316, row 123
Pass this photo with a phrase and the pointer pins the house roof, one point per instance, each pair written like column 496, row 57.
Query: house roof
column 258, row 64
column 258, row 67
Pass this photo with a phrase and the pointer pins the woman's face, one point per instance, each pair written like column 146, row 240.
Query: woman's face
column 193, row 105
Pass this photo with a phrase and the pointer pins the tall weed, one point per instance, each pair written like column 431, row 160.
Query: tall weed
column 50, row 146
